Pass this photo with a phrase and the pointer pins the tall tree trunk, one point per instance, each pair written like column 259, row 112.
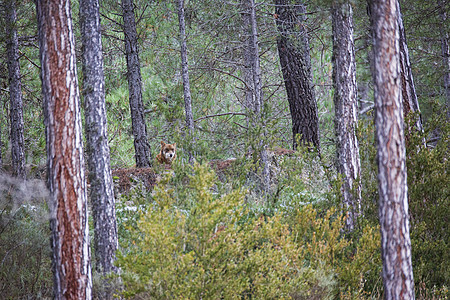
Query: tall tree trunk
column 250, row 103
column 445, row 52
column 392, row 182
column 101, row 192
column 252, row 76
column 409, row 96
column 15, row 92
column 345, row 102
column 141, row 145
column 186, row 85
column 295, row 60
column 65, row 163
column 1, row 143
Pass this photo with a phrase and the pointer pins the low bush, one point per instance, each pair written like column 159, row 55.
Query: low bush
column 25, row 264
column 217, row 249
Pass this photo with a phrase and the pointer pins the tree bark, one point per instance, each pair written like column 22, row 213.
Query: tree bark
column 186, row 85
column 65, row 163
column 345, row 102
column 1, row 142
column 392, row 182
column 409, row 95
column 141, row 145
column 254, row 101
column 250, row 103
column 15, row 92
column 100, row 178
column 295, row 60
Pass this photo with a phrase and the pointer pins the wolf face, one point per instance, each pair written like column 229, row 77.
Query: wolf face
column 167, row 153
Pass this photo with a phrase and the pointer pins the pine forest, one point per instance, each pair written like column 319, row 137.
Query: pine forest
column 239, row 149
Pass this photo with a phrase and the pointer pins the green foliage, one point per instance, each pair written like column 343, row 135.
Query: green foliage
column 429, row 190
column 25, row 266
column 217, row 248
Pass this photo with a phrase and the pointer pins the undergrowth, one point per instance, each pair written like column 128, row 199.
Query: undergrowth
column 217, row 247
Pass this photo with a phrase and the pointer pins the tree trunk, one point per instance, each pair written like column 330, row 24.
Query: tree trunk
column 101, row 192
column 393, row 207
column 250, row 103
column 1, row 143
column 409, row 96
column 295, row 60
column 65, row 164
column 445, row 52
column 186, row 85
column 15, row 92
column 345, row 102
column 141, row 145
column 254, row 101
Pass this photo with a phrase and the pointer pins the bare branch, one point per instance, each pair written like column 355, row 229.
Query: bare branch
column 219, row 115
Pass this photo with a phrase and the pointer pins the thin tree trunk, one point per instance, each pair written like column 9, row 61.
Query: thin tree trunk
column 255, row 100
column 186, row 85
column 65, row 163
column 141, row 145
column 15, row 92
column 100, row 178
column 295, row 60
column 393, row 207
column 409, row 96
column 345, row 102
column 1, row 122
column 250, row 103
column 445, row 52
column 1, row 147
column 254, row 59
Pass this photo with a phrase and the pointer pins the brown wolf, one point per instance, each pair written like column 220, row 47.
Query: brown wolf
column 167, row 154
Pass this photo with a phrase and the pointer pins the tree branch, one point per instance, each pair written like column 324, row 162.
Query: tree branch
column 219, row 115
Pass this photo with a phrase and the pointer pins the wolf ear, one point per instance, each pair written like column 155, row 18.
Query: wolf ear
column 175, row 145
column 162, row 143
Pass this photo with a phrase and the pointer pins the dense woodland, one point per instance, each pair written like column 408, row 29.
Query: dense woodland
column 312, row 146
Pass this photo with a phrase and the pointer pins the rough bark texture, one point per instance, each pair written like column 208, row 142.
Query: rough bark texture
column 15, row 92
column 101, row 192
column 345, row 102
column 295, row 60
column 185, row 74
column 250, row 103
column 141, row 145
column 1, row 146
column 409, row 95
column 65, row 164
column 445, row 52
column 393, row 207
column 254, row 91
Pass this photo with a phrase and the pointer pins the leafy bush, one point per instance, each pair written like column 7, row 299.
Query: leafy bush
column 428, row 192
column 25, row 266
column 217, row 249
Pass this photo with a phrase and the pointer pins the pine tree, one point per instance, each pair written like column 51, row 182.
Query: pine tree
column 139, row 128
column 391, row 153
column 15, row 92
column 345, row 103
column 101, row 191
column 65, row 163
column 295, row 60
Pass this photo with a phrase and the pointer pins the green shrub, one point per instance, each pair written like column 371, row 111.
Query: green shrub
column 25, row 265
column 428, row 193
column 216, row 248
